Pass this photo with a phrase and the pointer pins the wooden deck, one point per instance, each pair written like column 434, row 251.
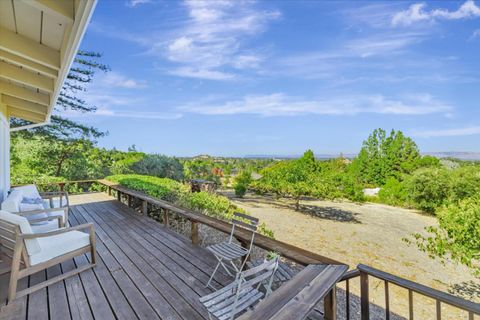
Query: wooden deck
column 144, row 271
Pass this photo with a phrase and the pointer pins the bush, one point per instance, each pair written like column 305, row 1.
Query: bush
column 458, row 234
column 159, row 166
column 179, row 194
column 393, row 193
column 242, row 182
column 427, row 189
column 240, row 190
column 464, row 182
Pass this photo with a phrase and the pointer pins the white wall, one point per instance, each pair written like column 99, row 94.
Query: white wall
column 4, row 153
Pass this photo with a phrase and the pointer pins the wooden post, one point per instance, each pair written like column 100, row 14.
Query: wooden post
column 119, row 196
column 62, row 186
column 165, row 218
column 129, row 200
column 110, row 191
column 145, row 207
column 330, row 304
column 364, row 300
column 194, row 235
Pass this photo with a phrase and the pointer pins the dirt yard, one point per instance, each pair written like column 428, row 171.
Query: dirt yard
column 363, row 233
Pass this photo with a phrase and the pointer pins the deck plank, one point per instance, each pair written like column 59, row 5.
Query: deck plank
column 141, row 259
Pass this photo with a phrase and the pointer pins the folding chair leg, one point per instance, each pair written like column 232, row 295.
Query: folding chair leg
column 213, row 274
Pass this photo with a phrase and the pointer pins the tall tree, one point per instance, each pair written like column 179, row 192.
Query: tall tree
column 68, row 137
column 384, row 156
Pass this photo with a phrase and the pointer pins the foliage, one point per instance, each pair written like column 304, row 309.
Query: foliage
column 428, row 188
column 393, row 193
column 159, row 166
column 458, row 234
column 242, row 182
column 179, row 194
column 382, row 157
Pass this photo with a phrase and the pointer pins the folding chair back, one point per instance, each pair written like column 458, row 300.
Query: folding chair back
column 243, row 220
column 241, row 294
column 262, row 274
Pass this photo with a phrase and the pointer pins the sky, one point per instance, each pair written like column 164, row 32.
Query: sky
column 235, row 78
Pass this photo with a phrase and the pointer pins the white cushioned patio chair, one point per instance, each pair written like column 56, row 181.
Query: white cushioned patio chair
column 243, row 293
column 45, row 204
column 227, row 252
column 32, row 252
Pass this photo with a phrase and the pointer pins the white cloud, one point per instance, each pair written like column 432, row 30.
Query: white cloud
column 134, row 3
column 475, row 34
column 456, row 132
column 417, row 13
column 279, row 104
column 125, row 113
column 118, row 80
column 213, row 38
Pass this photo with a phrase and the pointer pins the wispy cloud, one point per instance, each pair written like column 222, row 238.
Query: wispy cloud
column 417, row 13
column 210, row 43
column 134, row 3
column 118, row 80
column 456, row 132
column 279, row 104
column 475, row 34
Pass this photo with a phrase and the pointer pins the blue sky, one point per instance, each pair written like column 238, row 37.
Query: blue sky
column 279, row 77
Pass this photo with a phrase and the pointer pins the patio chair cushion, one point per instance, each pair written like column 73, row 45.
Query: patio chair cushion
column 55, row 246
column 48, row 226
column 29, row 191
column 32, row 245
column 56, row 204
column 30, row 207
column 12, row 202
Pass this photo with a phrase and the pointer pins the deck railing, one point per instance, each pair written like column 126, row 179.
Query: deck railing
column 304, row 257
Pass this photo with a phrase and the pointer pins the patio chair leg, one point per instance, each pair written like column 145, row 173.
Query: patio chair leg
column 211, row 277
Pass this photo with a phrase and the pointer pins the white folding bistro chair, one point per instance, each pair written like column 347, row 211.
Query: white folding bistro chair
column 227, row 252
column 241, row 294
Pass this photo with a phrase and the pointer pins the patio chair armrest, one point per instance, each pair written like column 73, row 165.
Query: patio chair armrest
column 59, row 218
column 59, row 231
column 56, row 194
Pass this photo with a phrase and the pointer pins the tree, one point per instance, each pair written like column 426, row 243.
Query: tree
column 67, row 139
column 383, row 157
column 295, row 178
column 159, row 166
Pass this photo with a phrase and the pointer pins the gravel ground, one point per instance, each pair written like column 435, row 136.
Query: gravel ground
column 370, row 234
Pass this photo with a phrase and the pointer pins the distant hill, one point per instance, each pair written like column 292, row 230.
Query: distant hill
column 445, row 154
column 456, row 155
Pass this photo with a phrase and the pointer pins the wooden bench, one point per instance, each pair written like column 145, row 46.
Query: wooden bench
column 297, row 298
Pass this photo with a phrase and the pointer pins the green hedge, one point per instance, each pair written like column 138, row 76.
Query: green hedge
column 177, row 193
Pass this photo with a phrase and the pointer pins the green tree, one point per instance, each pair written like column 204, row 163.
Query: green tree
column 383, row 156
column 159, row 166
column 67, row 139
column 295, row 178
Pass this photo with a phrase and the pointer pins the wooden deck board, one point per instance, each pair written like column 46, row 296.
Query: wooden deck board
column 144, row 271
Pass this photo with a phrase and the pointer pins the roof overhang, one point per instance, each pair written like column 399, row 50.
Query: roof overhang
column 38, row 43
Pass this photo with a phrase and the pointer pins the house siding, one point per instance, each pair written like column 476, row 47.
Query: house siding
column 4, row 153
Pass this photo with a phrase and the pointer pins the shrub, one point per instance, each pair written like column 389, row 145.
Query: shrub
column 179, row 194
column 242, row 182
column 240, row 190
column 464, row 182
column 458, row 234
column 427, row 189
column 393, row 193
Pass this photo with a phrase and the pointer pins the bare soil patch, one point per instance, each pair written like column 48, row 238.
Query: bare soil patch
column 363, row 233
